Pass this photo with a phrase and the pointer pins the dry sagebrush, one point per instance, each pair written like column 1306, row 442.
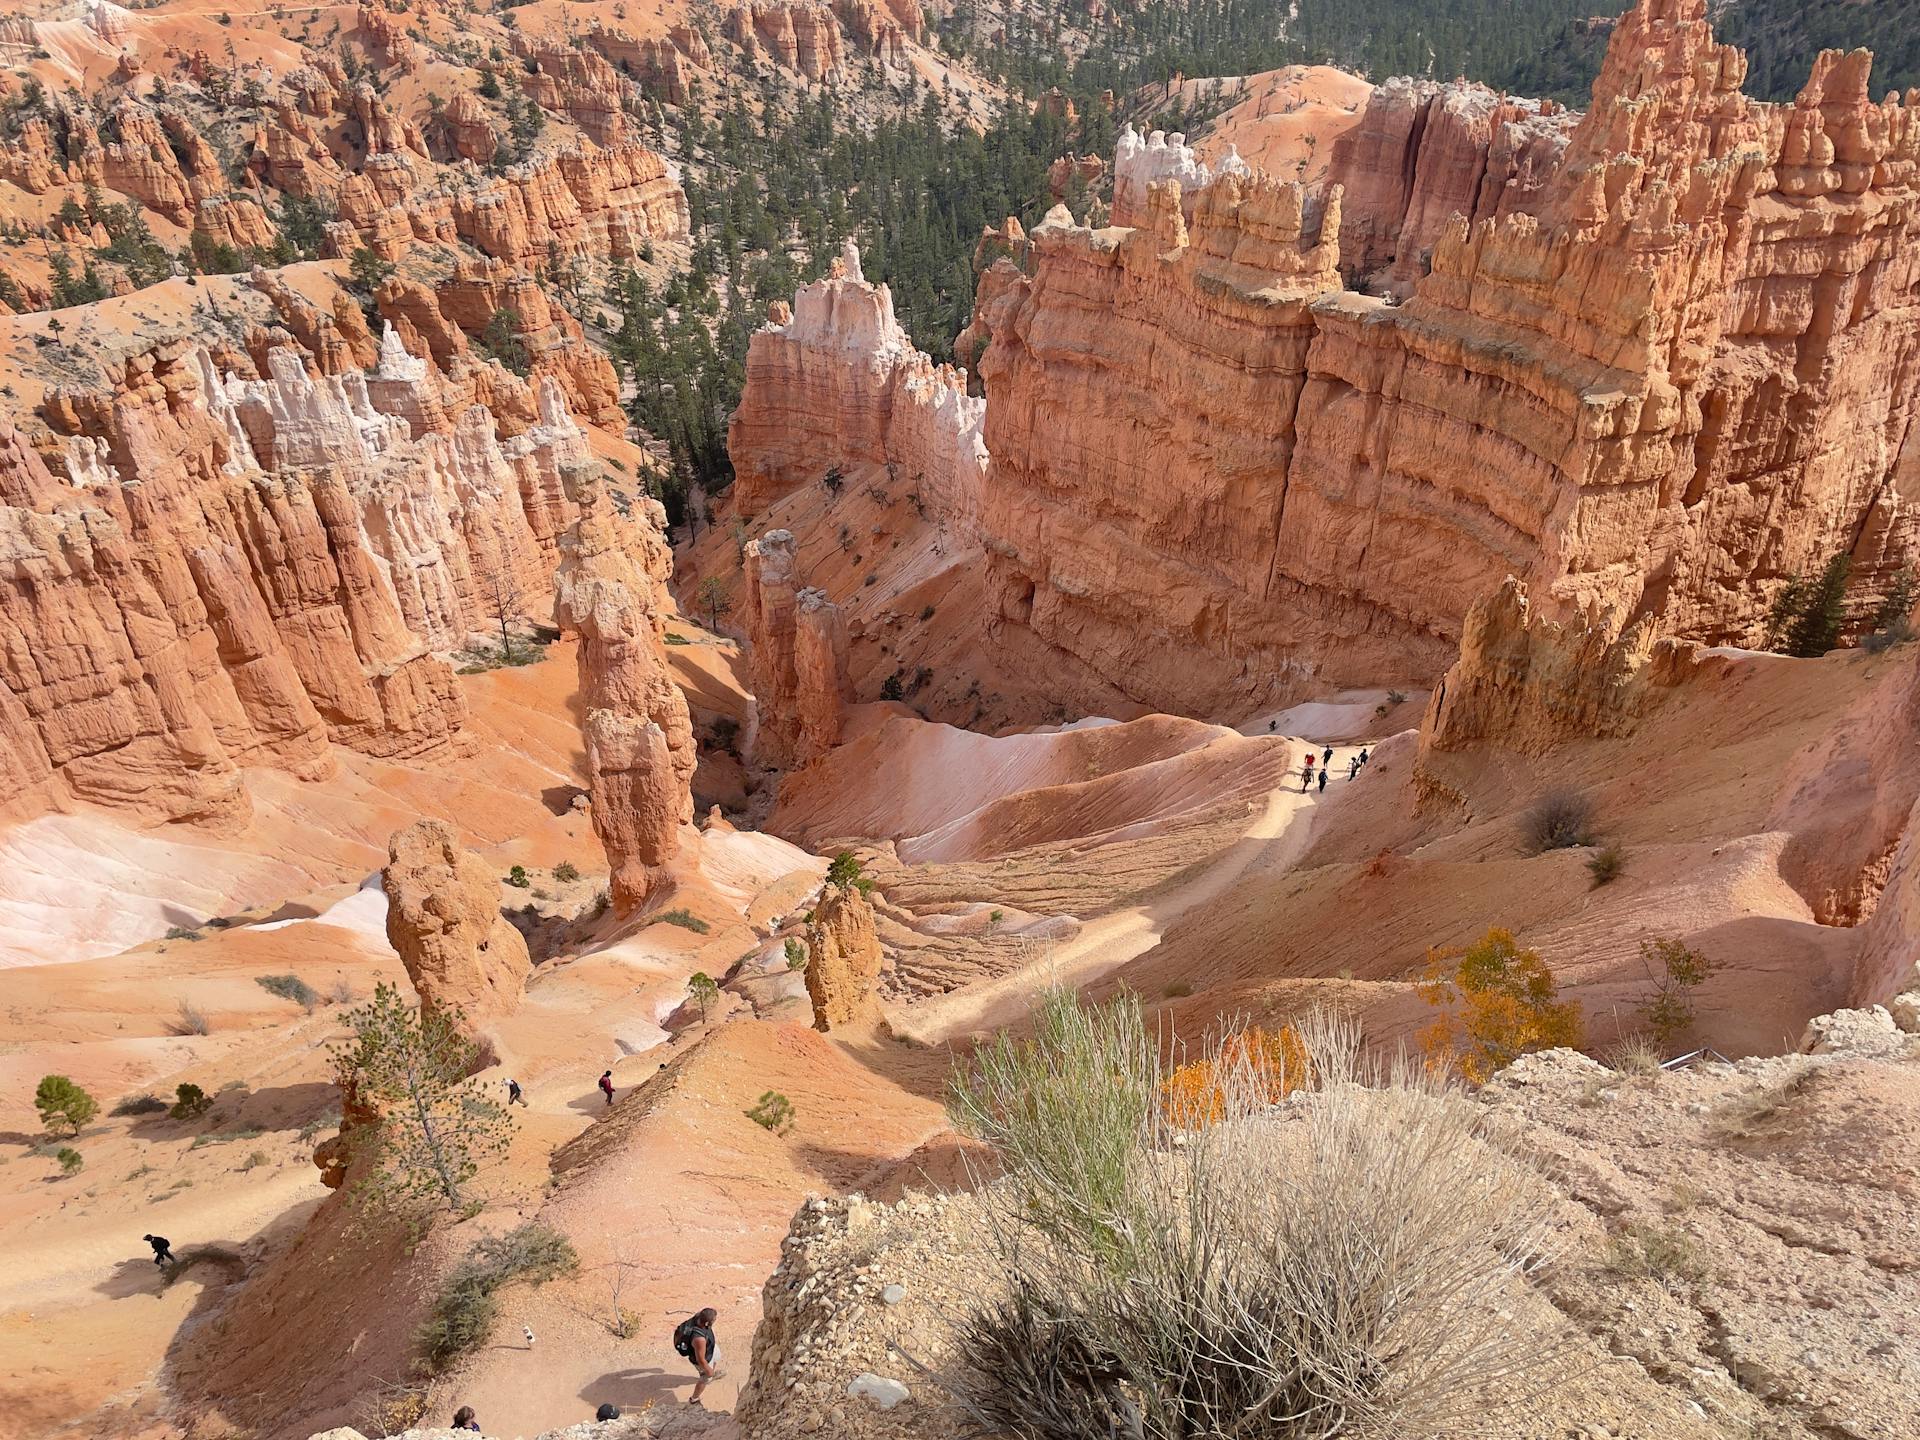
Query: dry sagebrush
column 1339, row 1265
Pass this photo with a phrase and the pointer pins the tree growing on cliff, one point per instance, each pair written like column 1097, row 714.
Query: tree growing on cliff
column 1807, row 614
column 1816, row 629
column 367, row 272
column 438, row 1126
column 1499, row 1002
column 63, row 1105
column 503, row 341
column 716, row 600
column 704, row 991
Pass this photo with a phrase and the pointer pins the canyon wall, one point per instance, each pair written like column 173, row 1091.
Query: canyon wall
column 1423, row 153
column 834, row 381
column 1219, row 478
column 251, row 558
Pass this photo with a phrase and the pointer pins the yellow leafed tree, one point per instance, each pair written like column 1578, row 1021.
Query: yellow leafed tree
column 1499, row 1002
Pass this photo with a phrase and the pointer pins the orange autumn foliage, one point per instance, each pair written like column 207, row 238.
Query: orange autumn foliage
column 1501, row 1002
column 1263, row 1065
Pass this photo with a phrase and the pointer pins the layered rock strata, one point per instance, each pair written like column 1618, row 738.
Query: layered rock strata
column 445, row 923
column 245, row 569
column 1530, row 684
column 834, row 382
column 1218, row 478
column 1422, row 153
column 843, row 961
column 611, row 588
column 798, row 656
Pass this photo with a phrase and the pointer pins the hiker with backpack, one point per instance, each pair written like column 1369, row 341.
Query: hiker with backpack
column 162, row 1249
column 1306, row 775
column 693, row 1338
column 606, row 1085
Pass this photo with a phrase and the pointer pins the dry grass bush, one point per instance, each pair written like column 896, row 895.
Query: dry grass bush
column 1763, row 1110
column 1558, row 820
column 468, row 1304
column 1671, row 1258
column 189, row 1020
column 1338, row 1264
column 1635, row 1054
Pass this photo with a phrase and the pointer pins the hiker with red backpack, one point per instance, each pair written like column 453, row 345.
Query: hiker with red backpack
column 693, row 1338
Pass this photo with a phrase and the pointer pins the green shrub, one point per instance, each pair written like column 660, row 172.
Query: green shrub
column 772, row 1111
column 289, row 987
column 140, row 1105
column 189, row 1101
column 675, row 639
column 464, row 1311
column 796, row 954
column 566, row 872
column 685, row 919
column 63, row 1105
column 71, row 1160
column 517, row 877
column 843, row 871
column 181, row 932
column 1675, row 971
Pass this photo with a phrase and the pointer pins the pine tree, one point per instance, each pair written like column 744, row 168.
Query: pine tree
column 1816, row 627
column 439, row 1125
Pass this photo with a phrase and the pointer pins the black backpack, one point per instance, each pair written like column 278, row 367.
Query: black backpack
column 683, row 1334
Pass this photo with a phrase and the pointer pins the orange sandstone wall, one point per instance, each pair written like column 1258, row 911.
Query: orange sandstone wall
column 1216, row 476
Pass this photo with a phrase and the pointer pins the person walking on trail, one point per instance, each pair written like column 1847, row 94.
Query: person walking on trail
column 514, row 1094
column 1326, row 757
column 606, row 1085
column 463, row 1419
column 1353, row 767
column 162, row 1249
column 693, row 1338
column 1306, row 775
column 1323, row 779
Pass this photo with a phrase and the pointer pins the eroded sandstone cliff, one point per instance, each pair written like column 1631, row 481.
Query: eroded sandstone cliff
column 1690, row 372
column 254, row 556
column 445, row 923
column 835, row 382
column 639, row 739
column 798, row 656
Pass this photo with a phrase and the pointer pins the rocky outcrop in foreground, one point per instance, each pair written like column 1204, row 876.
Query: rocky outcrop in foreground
column 1699, row 1210
column 611, row 591
column 445, row 923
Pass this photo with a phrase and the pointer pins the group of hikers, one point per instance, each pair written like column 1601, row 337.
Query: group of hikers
column 692, row 1338
column 1308, row 772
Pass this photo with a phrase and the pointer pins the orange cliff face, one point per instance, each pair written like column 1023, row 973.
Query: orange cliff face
column 834, row 381
column 247, row 564
column 1217, row 478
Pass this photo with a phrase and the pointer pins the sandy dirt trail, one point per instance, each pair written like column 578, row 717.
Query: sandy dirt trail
column 1275, row 840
